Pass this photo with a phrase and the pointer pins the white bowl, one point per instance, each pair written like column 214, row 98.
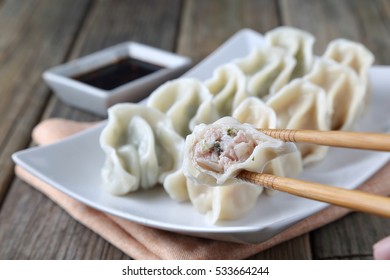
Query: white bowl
column 97, row 100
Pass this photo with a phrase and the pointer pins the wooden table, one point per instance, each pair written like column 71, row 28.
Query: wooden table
column 38, row 34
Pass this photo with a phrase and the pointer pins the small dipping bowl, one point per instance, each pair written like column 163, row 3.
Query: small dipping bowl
column 127, row 72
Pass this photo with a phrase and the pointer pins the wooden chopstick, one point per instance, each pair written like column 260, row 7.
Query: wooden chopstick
column 356, row 140
column 352, row 199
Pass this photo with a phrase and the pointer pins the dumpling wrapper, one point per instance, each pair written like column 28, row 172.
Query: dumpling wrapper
column 180, row 100
column 352, row 54
column 346, row 95
column 175, row 185
column 297, row 43
column 141, row 148
column 227, row 87
column 266, row 69
column 223, row 203
column 302, row 105
column 254, row 111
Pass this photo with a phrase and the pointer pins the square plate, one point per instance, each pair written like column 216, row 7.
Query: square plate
column 73, row 166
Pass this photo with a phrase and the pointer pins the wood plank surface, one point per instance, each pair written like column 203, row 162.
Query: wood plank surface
column 35, row 35
column 48, row 232
column 295, row 249
column 31, row 225
column 207, row 24
column 351, row 237
column 368, row 23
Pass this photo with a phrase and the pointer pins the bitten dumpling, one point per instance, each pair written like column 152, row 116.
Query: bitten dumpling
column 141, row 148
column 215, row 154
column 302, row 105
column 297, row 43
column 223, row 203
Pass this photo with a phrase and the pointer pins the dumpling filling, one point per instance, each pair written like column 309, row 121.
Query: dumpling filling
column 215, row 154
column 220, row 148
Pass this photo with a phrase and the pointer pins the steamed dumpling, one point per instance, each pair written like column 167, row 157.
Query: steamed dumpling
column 297, row 43
column 351, row 54
column 267, row 70
column 302, row 105
column 175, row 185
column 209, row 200
column 227, row 87
column 179, row 100
column 254, row 111
column 141, row 148
column 221, row 203
column 345, row 93
column 216, row 153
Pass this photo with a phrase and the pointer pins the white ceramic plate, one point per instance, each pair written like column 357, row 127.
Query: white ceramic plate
column 73, row 166
column 97, row 100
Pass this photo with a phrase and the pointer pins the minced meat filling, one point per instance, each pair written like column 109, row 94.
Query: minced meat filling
column 219, row 148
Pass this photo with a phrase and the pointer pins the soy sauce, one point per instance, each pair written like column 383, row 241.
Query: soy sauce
column 118, row 73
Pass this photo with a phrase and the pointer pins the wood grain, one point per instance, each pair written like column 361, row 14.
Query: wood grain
column 207, row 24
column 295, row 249
column 47, row 232
column 349, row 238
column 366, row 22
column 30, row 43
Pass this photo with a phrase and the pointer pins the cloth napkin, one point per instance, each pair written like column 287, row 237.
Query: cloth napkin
column 141, row 242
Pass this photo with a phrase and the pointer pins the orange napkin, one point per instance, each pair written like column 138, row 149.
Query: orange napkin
column 141, row 242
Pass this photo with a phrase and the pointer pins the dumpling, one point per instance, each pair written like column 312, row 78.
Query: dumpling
column 180, row 100
column 345, row 94
column 302, row 105
column 257, row 113
column 215, row 154
column 354, row 55
column 141, row 148
column 351, row 54
column 227, row 87
column 297, row 43
column 254, row 111
column 266, row 69
column 175, row 185
column 221, row 203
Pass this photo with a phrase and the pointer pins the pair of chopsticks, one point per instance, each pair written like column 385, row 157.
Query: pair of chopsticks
column 352, row 199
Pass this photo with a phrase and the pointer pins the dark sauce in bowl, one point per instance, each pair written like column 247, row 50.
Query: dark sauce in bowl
column 117, row 73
